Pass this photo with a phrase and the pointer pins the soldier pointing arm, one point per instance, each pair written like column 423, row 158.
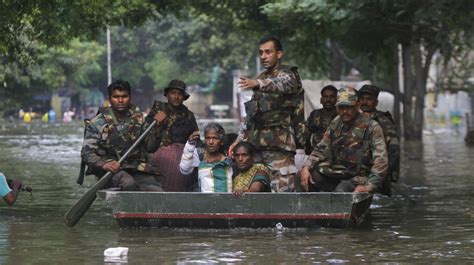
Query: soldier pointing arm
column 275, row 115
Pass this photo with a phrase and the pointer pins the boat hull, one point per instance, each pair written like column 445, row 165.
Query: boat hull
column 223, row 210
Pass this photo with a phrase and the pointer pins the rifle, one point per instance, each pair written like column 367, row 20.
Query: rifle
column 82, row 170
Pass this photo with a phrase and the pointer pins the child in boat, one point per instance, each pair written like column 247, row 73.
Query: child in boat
column 213, row 166
column 250, row 177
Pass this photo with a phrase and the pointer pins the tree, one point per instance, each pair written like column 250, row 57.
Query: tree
column 55, row 22
column 371, row 32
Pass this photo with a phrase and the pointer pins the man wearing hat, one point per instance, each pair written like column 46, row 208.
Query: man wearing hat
column 368, row 104
column 180, row 123
column 352, row 155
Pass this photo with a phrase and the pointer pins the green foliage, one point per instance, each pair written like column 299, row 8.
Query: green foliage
column 55, row 22
column 160, row 68
column 47, row 45
column 73, row 65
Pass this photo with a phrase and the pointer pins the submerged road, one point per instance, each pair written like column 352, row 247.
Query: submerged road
column 430, row 219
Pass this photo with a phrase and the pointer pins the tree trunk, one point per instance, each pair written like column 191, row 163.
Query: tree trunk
column 420, row 91
column 396, row 89
column 335, row 62
column 408, row 122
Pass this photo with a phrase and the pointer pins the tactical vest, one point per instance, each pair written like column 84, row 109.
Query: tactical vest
column 118, row 137
column 179, row 124
column 317, row 124
column 351, row 148
column 270, row 116
column 385, row 120
column 267, row 110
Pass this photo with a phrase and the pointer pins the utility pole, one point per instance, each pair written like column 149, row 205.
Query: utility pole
column 109, row 58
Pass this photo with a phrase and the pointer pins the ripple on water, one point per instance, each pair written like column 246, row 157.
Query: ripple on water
column 453, row 243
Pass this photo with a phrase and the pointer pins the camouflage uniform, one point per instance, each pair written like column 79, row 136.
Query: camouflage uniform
column 316, row 124
column 392, row 141
column 179, row 124
column 275, row 123
column 391, row 136
column 107, row 139
column 348, row 156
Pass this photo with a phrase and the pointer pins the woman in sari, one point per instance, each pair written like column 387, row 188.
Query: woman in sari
column 250, row 177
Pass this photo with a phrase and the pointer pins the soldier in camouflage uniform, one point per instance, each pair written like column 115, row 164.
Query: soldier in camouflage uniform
column 319, row 119
column 352, row 156
column 111, row 133
column 180, row 123
column 368, row 104
column 275, row 116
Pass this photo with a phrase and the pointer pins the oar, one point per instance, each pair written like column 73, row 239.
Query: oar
column 78, row 210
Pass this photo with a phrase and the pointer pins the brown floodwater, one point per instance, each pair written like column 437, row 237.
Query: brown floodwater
column 430, row 219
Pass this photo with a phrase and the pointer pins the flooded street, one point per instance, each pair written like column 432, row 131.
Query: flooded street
column 430, row 218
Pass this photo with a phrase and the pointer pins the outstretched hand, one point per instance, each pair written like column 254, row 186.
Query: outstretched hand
column 247, row 83
column 16, row 184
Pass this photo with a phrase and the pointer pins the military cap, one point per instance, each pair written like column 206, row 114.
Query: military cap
column 369, row 89
column 177, row 84
column 347, row 96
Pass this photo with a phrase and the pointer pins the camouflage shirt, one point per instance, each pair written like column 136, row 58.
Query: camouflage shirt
column 107, row 139
column 179, row 124
column 392, row 141
column 316, row 124
column 359, row 147
column 275, row 114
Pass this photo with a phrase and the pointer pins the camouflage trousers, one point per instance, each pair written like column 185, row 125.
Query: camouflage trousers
column 282, row 169
column 134, row 181
column 327, row 184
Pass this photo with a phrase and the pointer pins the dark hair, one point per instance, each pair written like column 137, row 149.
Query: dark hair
column 250, row 147
column 329, row 87
column 369, row 89
column 119, row 85
column 275, row 41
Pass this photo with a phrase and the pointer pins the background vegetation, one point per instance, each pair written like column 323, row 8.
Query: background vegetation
column 50, row 45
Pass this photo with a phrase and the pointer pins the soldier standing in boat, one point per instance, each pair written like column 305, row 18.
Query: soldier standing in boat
column 319, row 119
column 275, row 116
column 352, row 156
column 110, row 134
column 368, row 104
column 179, row 124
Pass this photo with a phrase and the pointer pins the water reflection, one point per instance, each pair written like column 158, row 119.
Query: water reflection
column 437, row 228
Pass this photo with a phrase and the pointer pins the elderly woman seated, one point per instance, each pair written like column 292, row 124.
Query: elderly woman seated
column 213, row 166
column 250, row 177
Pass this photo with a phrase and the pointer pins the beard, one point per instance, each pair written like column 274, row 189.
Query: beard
column 365, row 108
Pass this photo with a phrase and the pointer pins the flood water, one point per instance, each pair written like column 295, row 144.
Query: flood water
column 429, row 220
